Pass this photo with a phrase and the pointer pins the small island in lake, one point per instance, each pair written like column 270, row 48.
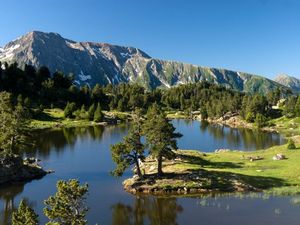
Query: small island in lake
column 194, row 172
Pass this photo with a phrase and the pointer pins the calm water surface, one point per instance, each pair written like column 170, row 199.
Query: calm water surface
column 83, row 153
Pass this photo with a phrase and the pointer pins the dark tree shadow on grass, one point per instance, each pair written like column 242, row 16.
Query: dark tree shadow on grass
column 197, row 160
column 43, row 116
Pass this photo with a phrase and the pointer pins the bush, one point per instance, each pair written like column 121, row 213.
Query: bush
column 250, row 117
column 260, row 120
column 82, row 114
column 291, row 144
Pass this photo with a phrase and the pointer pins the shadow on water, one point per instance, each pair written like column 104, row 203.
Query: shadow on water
column 162, row 211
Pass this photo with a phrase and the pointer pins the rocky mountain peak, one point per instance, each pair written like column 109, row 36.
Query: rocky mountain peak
column 289, row 81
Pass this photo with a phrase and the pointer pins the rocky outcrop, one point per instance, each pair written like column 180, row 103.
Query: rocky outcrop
column 15, row 169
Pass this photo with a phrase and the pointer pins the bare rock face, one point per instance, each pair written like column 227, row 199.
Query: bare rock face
column 14, row 169
column 93, row 63
column 291, row 82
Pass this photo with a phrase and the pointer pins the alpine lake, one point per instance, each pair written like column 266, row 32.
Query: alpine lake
column 84, row 154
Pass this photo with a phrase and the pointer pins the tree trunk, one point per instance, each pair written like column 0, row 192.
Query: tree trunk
column 12, row 141
column 138, row 169
column 159, row 166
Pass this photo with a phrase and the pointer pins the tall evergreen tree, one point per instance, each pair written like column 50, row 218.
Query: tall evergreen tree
column 297, row 107
column 13, row 126
column 160, row 136
column 69, row 110
column 91, row 112
column 131, row 150
column 98, row 115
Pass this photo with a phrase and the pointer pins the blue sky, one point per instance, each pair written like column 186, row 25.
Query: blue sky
column 255, row 36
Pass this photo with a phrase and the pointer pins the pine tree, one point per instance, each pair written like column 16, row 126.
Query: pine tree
column 204, row 114
column 260, row 120
column 68, row 205
column 27, row 102
column 13, row 126
column 121, row 105
column 131, row 150
column 24, row 215
column 69, row 110
column 91, row 112
column 83, row 114
column 97, row 93
column 98, row 115
column 160, row 136
column 20, row 99
column 297, row 107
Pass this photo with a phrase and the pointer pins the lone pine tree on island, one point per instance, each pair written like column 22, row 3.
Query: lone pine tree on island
column 161, row 138
column 131, row 150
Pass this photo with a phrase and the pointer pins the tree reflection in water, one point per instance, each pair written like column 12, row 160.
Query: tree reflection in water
column 147, row 210
column 57, row 140
column 247, row 138
column 7, row 196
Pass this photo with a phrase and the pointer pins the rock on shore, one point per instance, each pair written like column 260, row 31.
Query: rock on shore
column 15, row 169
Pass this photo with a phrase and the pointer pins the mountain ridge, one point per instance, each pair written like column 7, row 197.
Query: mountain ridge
column 103, row 63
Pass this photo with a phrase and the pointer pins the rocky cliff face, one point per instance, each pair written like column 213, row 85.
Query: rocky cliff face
column 291, row 82
column 92, row 63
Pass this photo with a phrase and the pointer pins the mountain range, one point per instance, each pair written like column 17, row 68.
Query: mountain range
column 103, row 63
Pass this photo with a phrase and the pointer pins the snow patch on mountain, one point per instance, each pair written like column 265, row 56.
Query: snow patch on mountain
column 107, row 78
column 77, row 82
column 91, row 51
column 212, row 74
column 125, row 55
column 241, row 76
column 84, row 77
column 164, row 82
column 12, row 48
column 180, row 82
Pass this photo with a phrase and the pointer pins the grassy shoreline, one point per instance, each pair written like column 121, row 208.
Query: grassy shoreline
column 54, row 118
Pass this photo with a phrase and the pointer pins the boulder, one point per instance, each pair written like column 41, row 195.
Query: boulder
column 279, row 157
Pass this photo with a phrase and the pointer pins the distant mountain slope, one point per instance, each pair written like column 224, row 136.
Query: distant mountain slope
column 93, row 63
column 291, row 82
